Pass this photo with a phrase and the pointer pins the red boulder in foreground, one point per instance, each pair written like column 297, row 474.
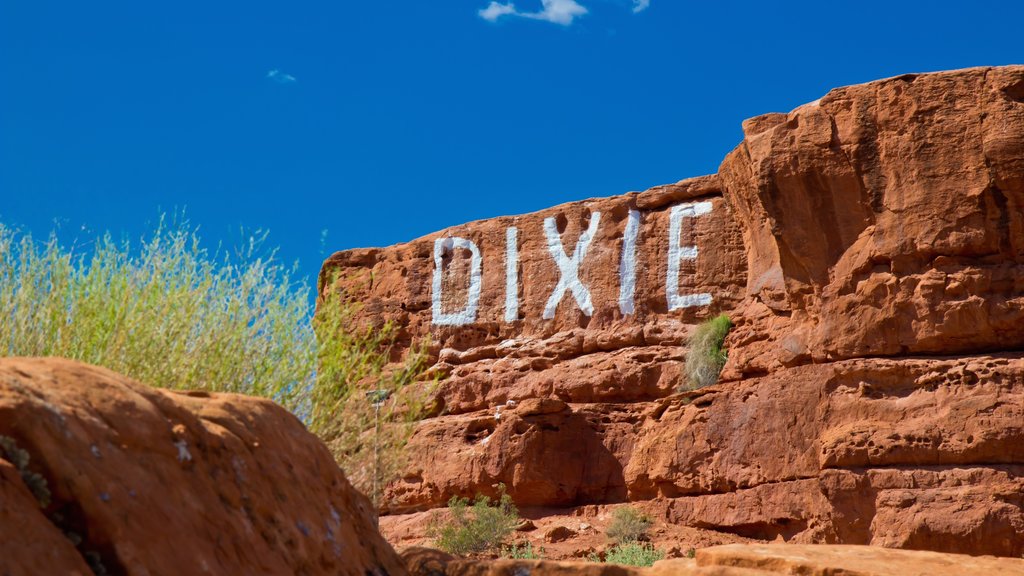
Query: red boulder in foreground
column 146, row 481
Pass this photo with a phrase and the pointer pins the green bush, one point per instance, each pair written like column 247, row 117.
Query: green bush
column 628, row 525
column 361, row 406
column 477, row 528
column 168, row 313
column 705, row 356
column 165, row 311
column 634, row 554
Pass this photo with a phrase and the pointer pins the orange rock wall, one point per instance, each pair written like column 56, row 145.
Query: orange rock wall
column 885, row 219
column 869, row 247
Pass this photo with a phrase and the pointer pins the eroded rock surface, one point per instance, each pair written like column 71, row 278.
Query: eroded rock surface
column 869, row 247
column 145, row 481
column 860, row 560
column 741, row 560
column 885, row 219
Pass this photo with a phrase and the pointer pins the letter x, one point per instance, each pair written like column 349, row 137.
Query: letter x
column 569, row 268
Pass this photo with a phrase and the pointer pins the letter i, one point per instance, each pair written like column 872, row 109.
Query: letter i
column 511, row 274
column 627, row 264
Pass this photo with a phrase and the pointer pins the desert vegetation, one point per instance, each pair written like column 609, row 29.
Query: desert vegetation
column 479, row 527
column 169, row 313
column 523, row 551
column 628, row 525
column 633, row 554
column 363, row 408
column 705, row 356
column 163, row 311
column 628, row 532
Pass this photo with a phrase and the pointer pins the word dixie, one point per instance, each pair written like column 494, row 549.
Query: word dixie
column 568, row 268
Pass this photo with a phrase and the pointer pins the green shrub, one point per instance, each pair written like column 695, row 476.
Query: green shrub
column 361, row 406
column 165, row 311
column 628, row 525
column 705, row 356
column 634, row 554
column 522, row 551
column 477, row 528
column 168, row 313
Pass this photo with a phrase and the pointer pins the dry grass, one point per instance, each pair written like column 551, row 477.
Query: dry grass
column 476, row 528
column 705, row 356
column 628, row 525
column 168, row 313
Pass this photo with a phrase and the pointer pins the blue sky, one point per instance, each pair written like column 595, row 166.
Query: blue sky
column 383, row 121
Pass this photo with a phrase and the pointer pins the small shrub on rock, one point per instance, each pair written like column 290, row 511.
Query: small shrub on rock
column 522, row 551
column 633, row 554
column 478, row 527
column 705, row 356
column 629, row 525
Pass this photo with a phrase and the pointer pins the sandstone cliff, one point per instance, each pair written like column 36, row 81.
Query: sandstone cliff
column 122, row 479
column 869, row 247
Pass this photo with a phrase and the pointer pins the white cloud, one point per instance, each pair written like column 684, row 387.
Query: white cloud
column 557, row 11
column 640, row 5
column 280, row 77
column 496, row 10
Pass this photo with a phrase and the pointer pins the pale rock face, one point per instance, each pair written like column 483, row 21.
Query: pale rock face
column 869, row 248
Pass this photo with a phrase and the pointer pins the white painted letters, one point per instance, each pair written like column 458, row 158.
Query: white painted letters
column 569, row 267
column 468, row 314
column 627, row 264
column 677, row 253
column 511, row 274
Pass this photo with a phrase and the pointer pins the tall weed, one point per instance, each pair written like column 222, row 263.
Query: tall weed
column 705, row 356
column 476, row 528
column 168, row 313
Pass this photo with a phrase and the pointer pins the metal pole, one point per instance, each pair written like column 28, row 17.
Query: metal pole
column 378, row 397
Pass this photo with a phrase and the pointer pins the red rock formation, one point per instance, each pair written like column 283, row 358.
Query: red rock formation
column 32, row 545
column 606, row 356
column 885, row 219
column 146, row 481
column 869, row 247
